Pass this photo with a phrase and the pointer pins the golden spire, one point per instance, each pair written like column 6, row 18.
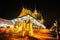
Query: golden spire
column 35, row 13
column 41, row 20
column 24, row 12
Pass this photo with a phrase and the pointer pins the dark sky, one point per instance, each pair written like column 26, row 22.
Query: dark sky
column 49, row 9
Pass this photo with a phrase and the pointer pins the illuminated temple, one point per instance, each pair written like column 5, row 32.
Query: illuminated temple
column 28, row 26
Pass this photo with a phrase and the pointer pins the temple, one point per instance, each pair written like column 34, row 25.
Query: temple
column 29, row 24
column 28, row 21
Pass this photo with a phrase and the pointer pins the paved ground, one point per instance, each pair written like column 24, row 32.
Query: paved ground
column 6, row 37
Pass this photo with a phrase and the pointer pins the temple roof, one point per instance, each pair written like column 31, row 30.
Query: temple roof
column 34, row 14
column 27, row 18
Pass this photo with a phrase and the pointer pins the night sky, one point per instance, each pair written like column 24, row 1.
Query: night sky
column 49, row 9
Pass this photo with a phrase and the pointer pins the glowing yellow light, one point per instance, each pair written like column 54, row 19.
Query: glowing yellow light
column 34, row 14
